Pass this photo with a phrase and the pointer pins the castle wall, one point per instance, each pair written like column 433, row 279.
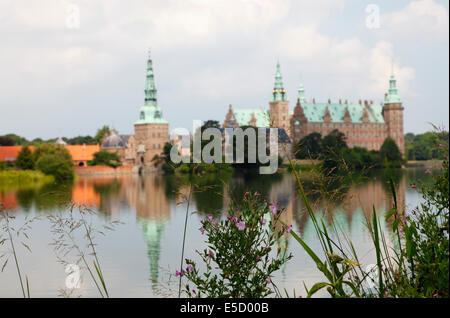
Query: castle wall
column 152, row 137
column 366, row 135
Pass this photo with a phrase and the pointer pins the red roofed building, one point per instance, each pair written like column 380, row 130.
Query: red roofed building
column 9, row 153
column 81, row 154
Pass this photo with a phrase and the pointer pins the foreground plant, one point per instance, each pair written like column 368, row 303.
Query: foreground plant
column 239, row 259
column 417, row 265
column 74, row 236
column 15, row 234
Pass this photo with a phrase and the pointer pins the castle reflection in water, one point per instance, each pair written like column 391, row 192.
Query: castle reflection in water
column 153, row 198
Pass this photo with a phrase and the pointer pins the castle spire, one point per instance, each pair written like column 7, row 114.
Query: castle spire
column 301, row 93
column 150, row 88
column 392, row 97
column 278, row 93
column 150, row 113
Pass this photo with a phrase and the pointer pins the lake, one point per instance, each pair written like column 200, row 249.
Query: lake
column 140, row 256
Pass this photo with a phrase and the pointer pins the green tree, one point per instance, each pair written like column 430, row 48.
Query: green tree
column 25, row 159
column 390, row 150
column 59, row 151
column 309, row 147
column 17, row 140
column 164, row 161
column 106, row 158
column 358, row 158
column 333, row 146
column 80, row 140
column 210, row 124
column 101, row 133
column 6, row 141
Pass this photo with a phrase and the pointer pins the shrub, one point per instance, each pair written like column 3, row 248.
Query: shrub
column 238, row 260
column 106, row 158
column 56, row 166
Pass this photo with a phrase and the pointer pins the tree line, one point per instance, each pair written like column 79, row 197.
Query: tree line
column 337, row 156
column 15, row 140
column 425, row 146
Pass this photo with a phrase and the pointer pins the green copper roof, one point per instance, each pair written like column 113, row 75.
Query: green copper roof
column 301, row 93
column 278, row 92
column 392, row 97
column 150, row 113
column 244, row 116
column 315, row 112
column 150, row 88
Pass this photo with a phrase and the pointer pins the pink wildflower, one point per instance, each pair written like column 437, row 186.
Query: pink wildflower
column 181, row 274
column 263, row 221
column 274, row 209
column 190, row 268
column 427, row 171
column 240, row 226
column 289, row 228
column 268, row 280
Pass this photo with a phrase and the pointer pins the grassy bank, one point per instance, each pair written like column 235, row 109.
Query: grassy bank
column 12, row 179
column 434, row 163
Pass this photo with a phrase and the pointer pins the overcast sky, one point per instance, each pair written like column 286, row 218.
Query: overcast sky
column 63, row 76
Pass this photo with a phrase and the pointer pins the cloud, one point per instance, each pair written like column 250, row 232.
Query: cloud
column 346, row 66
column 205, row 52
column 422, row 20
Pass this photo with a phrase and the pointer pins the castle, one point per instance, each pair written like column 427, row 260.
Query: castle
column 151, row 131
column 364, row 124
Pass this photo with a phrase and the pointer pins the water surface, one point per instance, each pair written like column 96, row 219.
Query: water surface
column 140, row 255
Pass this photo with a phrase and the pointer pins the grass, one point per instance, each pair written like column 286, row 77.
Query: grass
column 15, row 179
column 396, row 268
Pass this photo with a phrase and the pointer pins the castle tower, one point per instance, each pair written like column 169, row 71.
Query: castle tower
column 301, row 93
column 298, row 119
column 151, row 130
column 279, row 104
column 393, row 114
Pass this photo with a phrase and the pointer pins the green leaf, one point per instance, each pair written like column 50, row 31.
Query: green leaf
column 316, row 288
column 101, row 279
column 390, row 213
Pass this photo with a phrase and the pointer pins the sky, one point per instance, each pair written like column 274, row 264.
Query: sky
column 70, row 67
